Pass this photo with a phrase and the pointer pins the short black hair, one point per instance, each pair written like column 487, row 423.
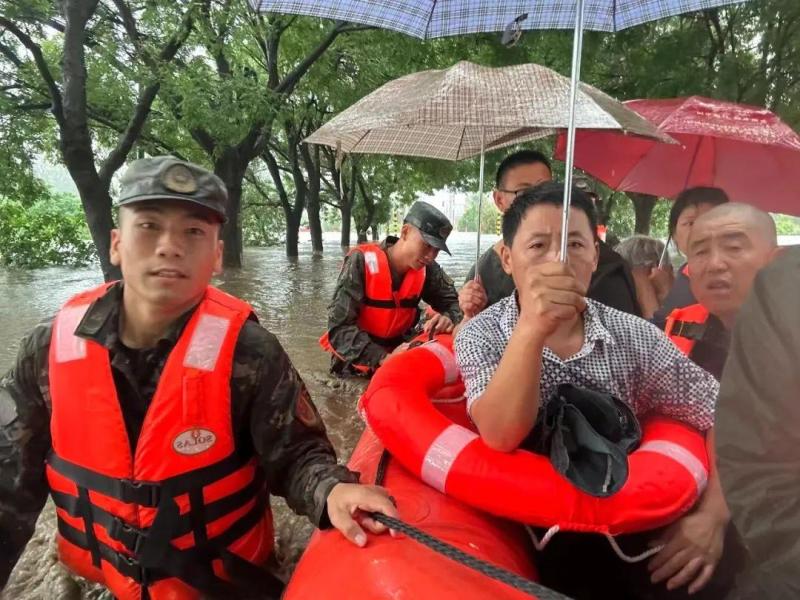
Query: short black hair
column 549, row 192
column 694, row 197
column 523, row 157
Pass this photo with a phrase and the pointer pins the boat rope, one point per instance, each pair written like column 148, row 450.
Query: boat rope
column 632, row 559
column 518, row 582
column 540, row 545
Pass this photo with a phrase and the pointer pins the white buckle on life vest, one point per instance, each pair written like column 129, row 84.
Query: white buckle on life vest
column 206, row 343
column 68, row 345
column 442, row 453
column 371, row 260
column 681, row 456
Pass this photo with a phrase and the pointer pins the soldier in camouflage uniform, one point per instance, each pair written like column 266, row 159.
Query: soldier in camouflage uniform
column 356, row 351
column 177, row 209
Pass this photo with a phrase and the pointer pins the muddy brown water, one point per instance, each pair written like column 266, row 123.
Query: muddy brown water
column 290, row 297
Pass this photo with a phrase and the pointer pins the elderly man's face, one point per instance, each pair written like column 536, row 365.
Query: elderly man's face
column 725, row 254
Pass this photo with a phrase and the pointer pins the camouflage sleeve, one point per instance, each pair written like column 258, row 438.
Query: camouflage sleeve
column 24, row 443
column 351, row 343
column 289, row 436
column 440, row 292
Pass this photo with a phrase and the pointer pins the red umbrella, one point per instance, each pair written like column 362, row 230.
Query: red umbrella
column 745, row 150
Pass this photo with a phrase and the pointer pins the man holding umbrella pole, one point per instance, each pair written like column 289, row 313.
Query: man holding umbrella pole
column 514, row 354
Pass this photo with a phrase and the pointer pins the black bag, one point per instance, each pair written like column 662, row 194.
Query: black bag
column 588, row 436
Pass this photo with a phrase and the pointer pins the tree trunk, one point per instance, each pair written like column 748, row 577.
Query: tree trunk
column 643, row 205
column 313, row 188
column 293, row 219
column 347, row 211
column 363, row 226
column 315, row 224
column 605, row 208
column 376, row 233
column 231, row 169
column 96, row 203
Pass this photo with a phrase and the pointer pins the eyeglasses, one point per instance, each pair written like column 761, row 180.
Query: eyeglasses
column 592, row 195
column 514, row 192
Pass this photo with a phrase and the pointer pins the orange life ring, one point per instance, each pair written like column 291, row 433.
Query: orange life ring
column 667, row 473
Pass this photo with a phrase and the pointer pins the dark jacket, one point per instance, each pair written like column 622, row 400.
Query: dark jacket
column 758, row 430
column 497, row 283
column 270, row 406
column 612, row 283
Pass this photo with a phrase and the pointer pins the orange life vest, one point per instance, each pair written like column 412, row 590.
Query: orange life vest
column 686, row 325
column 385, row 314
column 187, row 511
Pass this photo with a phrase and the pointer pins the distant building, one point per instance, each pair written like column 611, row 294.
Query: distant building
column 451, row 202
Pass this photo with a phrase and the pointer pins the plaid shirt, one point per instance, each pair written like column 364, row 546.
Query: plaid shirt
column 621, row 355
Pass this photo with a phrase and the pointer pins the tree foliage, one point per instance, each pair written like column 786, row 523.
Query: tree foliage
column 93, row 83
column 490, row 216
column 50, row 231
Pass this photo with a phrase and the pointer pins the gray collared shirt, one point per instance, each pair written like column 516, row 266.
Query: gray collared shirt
column 621, row 355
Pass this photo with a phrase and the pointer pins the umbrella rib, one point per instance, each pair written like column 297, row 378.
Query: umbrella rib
column 361, row 139
column 460, row 142
column 430, row 18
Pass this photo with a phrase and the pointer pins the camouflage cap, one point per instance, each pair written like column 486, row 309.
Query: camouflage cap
column 431, row 222
column 166, row 177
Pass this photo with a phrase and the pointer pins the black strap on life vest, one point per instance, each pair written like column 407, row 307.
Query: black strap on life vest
column 688, row 330
column 391, row 304
column 151, row 555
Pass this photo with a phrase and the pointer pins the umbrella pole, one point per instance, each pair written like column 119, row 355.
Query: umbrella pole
column 480, row 199
column 577, row 48
column 664, row 252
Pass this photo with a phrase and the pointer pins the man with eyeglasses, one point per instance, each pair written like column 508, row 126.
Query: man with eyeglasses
column 611, row 284
column 517, row 171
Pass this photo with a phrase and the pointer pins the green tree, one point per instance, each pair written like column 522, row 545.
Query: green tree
column 50, row 231
column 96, row 67
column 787, row 225
column 233, row 89
column 490, row 216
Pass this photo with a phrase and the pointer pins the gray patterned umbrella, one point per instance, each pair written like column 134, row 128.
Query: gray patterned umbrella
column 456, row 113
column 439, row 18
column 427, row 19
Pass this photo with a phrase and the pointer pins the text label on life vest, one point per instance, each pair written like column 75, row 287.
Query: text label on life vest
column 194, row 441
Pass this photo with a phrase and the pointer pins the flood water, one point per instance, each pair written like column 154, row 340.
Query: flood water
column 290, row 298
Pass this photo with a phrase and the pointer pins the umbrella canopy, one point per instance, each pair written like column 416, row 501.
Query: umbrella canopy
column 441, row 18
column 455, row 113
column 745, row 150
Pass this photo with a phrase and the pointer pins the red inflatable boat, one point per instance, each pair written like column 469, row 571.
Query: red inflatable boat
column 414, row 406
column 401, row 568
